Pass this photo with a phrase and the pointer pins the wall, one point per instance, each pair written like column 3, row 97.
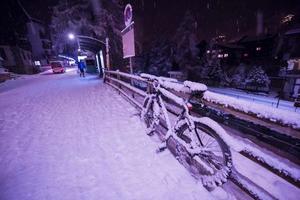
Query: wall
column 9, row 60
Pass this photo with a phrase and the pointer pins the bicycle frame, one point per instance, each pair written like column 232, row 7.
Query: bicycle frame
column 155, row 98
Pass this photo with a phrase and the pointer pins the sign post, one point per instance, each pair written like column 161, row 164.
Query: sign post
column 107, row 53
column 128, row 36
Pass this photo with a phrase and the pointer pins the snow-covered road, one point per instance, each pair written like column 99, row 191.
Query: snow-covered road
column 65, row 137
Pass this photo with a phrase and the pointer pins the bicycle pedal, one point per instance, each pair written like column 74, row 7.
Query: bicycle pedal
column 151, row 133
column 161, row 149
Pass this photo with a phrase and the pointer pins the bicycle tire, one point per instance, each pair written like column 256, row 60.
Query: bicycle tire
column 148, row 117
column 221, row 172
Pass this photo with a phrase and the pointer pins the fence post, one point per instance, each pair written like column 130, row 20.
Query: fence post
column 148, row 87
column 118, row 77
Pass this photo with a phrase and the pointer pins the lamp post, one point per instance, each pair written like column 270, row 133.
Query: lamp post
column 71, row 36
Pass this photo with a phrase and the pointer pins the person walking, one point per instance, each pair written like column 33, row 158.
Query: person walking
column 81, row 67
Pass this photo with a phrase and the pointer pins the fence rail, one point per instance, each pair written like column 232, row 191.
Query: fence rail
column 135, row 89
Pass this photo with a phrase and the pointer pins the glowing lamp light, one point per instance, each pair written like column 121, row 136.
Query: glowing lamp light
column 71, row 36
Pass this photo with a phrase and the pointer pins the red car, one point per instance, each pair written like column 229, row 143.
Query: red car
column 57, row 67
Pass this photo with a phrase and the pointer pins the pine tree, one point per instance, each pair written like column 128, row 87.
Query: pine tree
column 160, row 57
column 186, row 41
column 257, row 77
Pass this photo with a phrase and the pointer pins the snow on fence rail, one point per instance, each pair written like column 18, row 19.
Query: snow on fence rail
column 126, row 82
column 283, row 117
column 280, row 116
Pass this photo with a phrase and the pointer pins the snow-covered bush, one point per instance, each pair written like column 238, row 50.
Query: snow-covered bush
column 257, row 78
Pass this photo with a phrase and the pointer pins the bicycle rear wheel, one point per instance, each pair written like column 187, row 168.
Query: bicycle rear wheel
column 214, row 161
column 149, row 116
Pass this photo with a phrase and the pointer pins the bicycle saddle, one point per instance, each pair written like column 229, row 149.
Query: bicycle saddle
column 195, row 87
column 160, row 78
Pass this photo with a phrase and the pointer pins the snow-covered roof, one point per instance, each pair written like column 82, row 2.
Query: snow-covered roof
column 91, row 44
column 293, row 31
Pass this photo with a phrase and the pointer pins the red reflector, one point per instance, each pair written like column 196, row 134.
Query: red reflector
column 190, row 106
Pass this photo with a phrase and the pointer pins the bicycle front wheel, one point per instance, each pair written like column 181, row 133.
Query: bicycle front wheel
column 214, row 160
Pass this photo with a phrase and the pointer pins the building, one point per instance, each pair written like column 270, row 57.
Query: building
column 17, row 59
column 39, row 38
column 24, row 40
column 291, row 56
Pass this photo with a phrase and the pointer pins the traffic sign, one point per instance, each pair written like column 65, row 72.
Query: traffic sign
column 128, row 15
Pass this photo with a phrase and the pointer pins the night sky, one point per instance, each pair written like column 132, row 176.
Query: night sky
column 213, row 16
column 230, row 17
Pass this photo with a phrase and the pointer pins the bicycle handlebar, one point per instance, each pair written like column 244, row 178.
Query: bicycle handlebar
column 171, row 83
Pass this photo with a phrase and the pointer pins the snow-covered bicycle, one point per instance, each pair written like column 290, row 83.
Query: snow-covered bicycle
column 200, row 139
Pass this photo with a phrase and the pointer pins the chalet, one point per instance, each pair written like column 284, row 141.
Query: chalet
column 24, row 41
column 291, row 55
column 17, row 59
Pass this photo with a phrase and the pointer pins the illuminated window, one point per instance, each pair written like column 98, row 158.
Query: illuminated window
column 37, row 63
column 225, row 55
column 245, row 55
column 258, row 48
column 220, row 55
column 208, row 51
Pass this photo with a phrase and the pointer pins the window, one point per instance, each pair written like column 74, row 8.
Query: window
column 258, row 48
column 2, row 54
column 225, row 55
column 37, row 63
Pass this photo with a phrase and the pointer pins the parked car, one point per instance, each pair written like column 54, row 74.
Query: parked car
column 57, row 66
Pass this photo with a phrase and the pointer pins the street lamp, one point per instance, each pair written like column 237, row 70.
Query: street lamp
column 71, row 36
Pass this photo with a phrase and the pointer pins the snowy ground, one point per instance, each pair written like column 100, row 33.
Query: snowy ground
column 269, row 100
column 65, row 137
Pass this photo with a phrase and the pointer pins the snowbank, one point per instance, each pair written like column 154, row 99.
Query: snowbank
column 283, row 117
